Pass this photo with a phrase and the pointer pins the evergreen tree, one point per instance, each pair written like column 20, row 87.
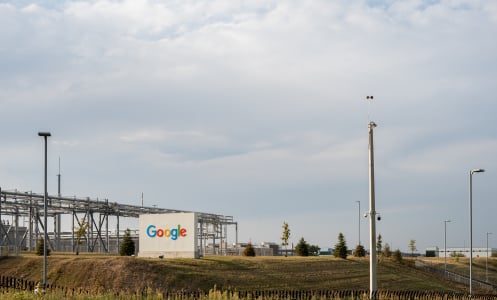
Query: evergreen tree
column 128, row 246
column 397, row 256
column 360, row 251
column 39, row 247
column 386, row 250
column 249, row 250
column 314, row 250
column 302, row 248
column 285, row 237
column 341, row 247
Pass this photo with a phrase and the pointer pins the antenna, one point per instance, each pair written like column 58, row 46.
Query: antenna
column 58, row 180
column 369, row 99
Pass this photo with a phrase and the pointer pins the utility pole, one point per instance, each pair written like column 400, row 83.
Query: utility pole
column 372, row 213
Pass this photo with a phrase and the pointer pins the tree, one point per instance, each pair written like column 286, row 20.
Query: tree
column 285, row 237
column 412, row 246
column 249, row 250
column 379, row 244
column 40, row 247
column 341, row 247
column 359, row 251
column 397, row 256
column 302, row 248
column 386, row 250
column 314, row 250
column 80, row 233
column 128, row 246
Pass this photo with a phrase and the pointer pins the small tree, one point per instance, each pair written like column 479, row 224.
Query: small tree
column 285, row 237
column 341, row 247
column 40, row 247
column 302, row 248
column 360, row 251
column 397, row 256
column 128, row 246
column 379, row 244
column 249, row 250
column 386, row 250
column 80, row 233
column 412, row 247
column 314, row 250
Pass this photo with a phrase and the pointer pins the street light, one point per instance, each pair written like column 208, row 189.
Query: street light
column 445, row 246
column 486, row 261
column 372, row 214
column 359, row 221
column 45, row 135
column 471, row 227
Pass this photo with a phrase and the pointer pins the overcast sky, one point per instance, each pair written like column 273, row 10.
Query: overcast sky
column 257, row 109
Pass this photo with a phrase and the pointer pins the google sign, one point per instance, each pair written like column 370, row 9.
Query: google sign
column 172, row 233
column 168, row 235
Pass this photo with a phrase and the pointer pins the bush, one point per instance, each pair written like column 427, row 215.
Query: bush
column 397, row 256
column 249, row 250
column 128, row 246
column 302, row 248
column 360, row 251
column 39, row 247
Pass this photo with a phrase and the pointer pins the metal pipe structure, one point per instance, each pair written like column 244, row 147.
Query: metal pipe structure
column 445, row 246
column 45, row 135
column 372, row 216
column 486, row 260
column 471, row 227
column 97, row 213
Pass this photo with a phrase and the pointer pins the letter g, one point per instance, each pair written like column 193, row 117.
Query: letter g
column 151, row 232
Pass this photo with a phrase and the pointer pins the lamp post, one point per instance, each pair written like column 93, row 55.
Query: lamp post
column 359, row 220
column 471, row 227
column 372, row 215
column 445, row 246
column 45, row 135
column 486, row 261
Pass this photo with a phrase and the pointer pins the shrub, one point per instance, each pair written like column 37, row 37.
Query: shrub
column 360, row 251
column 249, row 250
column 39, row 247
column 128, row 246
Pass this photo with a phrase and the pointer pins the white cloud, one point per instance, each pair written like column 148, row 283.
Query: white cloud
column 223, row 103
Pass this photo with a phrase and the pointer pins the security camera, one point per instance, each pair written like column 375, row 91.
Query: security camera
column 365, row 215
column 378, row 218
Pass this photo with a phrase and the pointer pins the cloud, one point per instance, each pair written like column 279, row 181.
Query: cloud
column 255, row 108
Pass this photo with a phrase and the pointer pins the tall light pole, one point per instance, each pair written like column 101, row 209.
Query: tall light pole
column 45, row 135
column 372, row 214
column 359, row 220
column 445, row 246
column 471, row 227
column 486, row 261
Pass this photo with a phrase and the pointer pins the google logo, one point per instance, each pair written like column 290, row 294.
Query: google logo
column 173, row 233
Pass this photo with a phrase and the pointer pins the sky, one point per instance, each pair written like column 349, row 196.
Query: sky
column 257, row 110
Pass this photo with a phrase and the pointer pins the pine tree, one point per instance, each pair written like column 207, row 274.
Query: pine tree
column 128, row 246
column 412, row 247
column 360, row 251
column 302, row 248
column 397, row 256
column 39, row 247
column 249, row 250
column 341, row 247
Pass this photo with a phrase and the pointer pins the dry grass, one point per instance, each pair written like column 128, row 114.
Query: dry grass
column 130, row 274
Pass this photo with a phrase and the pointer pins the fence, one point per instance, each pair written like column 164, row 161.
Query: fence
column 455, row 277
column 8, row 282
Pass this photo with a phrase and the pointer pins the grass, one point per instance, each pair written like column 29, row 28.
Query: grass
column 106, row 275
